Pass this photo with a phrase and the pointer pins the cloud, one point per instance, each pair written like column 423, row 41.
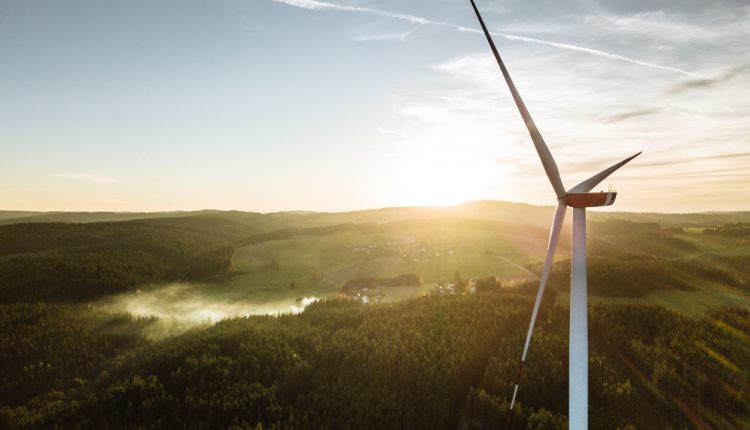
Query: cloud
column 598, row 163
column 627, row 115
column 318, row 5
column 711, row 82
column 691, row 129
column 731, row 156
column 656, row 24
column 606, row 115
column 96, row 179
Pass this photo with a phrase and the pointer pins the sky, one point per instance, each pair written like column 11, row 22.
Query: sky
column 272, row 105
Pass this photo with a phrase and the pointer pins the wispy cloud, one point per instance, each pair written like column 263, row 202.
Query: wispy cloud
column 653, row 24
column 711, row 81
column 83, row 177
column 737, row 156
column 318, row 5
column 381, row 36
column 628, row 115
column 608, row 115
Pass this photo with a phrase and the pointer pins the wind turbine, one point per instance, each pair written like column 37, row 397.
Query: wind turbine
column 579, row 198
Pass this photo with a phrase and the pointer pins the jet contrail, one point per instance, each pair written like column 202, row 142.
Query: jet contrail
column 319, row 5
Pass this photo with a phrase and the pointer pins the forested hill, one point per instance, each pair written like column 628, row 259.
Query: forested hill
column 72, row 262
column 74, row 360
column 318, row 253
column 428, row 363
column 247, row 223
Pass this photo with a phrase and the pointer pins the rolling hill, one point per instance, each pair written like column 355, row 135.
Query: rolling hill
column 288, row 255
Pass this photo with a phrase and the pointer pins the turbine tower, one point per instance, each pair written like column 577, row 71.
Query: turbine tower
column 579, row 198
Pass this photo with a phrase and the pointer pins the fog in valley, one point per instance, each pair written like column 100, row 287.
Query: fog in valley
column 180, row 306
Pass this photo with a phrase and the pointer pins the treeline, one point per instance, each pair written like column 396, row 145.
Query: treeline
column 73, row 262
column 739, row 229
column 617, row 237
column 392, row 226
column 736, row 269
column 433, row 363
column 637, row 275
column 288, row 233
column 353, row 285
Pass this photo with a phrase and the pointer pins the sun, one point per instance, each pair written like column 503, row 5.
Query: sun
column 438, row 175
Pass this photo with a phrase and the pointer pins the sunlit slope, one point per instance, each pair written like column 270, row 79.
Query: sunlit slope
column 314, row 264
column 675, row 219
column 686, row 269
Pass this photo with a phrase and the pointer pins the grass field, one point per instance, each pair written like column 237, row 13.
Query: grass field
column 693, row 303
column 706, row 293
column 715, row 245
column 320, row 265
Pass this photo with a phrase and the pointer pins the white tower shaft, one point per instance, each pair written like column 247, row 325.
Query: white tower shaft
column 578, row 197
column 578, row 367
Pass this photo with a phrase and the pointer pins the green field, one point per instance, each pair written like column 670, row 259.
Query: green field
column 320, row 265
column 693, row 303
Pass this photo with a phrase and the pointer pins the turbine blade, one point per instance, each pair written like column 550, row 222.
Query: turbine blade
column 548, row 162
column 590, row 183
column 554, row 235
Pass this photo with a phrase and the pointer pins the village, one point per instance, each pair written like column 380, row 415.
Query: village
column 409, row 249
column 377, row 293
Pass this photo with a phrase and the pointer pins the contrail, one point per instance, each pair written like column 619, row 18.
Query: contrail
column 319, row 5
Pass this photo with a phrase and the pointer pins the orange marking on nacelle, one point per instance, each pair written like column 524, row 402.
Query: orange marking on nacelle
column 587, row 200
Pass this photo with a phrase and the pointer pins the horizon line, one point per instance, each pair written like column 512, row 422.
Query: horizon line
column 56, row 211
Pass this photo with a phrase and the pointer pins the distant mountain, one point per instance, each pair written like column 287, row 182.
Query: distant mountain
column 13, row 217
column 700, row 219
column 19, row 214
column 245, row 223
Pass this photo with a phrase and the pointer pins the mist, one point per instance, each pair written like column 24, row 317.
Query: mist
column 181, row 306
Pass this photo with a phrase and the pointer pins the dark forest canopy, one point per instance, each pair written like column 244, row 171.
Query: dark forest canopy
column 432, row 363
column 73, row 262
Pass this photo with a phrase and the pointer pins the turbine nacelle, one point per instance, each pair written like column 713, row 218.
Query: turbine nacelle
column 580, row 195
column 589, row 200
